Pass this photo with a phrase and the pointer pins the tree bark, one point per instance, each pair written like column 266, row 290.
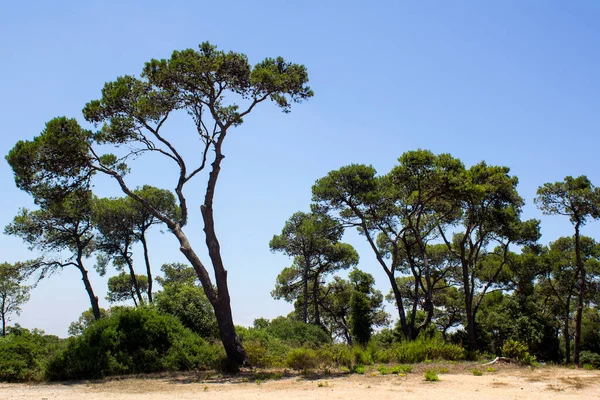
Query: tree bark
column 89, row 290
column 134, row 281
column 316, row 299
column 579, row 314
column 148, row 269
column 566, row 333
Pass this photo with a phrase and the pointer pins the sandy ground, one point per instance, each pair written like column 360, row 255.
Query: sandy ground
column 508, row 382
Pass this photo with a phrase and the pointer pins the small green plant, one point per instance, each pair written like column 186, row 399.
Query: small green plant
column 401, row 369
column 359, row 369
column 588, row 367
column 518, row 351
column 442, row 370
column 490, row 369
column 323, row 384
column 383, row 370
column 431, row 376
column 476, row 372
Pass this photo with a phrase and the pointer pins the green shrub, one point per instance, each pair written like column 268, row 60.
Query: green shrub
column 132, row 341
column 342, row 355
column 588, row 367
column 476, row 372
column 383, row 370
column 517, row 351
column 588, row 357
column 401, row 369
column 302, row 358
column 297, row 333
column 359, row 369
column 431, row 376
column 25, row 354
column 361, row 356
column 191, row 306
column 421, row 350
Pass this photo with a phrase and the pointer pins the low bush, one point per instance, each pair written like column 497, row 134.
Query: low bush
column 401, row 369
column 302, row 359
column 431, row 376
column 517, row 351
column 24, row 354
column 133, row 341
column 588, row 357
column 421, row 350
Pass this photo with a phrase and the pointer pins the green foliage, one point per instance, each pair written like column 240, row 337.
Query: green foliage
column 190, row 305
column 588, row 367
column 85, row 319
column 422, row 349
column 121, row 288
column 13, row 293
column 476, row 372
column 383, row 370
column 431, row 376
column 359, row 369
column 517, row 351
column 362, row 356
column 24, row 354
column 302, row 359
column 401, row 369
column 132, row 341
column 297, row 333
column 587, row 357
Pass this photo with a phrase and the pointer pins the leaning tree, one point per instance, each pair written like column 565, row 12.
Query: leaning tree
column 217, row 90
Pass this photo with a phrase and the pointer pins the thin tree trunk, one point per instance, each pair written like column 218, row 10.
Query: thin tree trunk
column 567, row 336
column 134, row 281
column 316, row 299
column 579, row 314
column 305, row 294
column 148, row 269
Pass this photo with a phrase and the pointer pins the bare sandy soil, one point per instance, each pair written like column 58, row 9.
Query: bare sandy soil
column 508, row 382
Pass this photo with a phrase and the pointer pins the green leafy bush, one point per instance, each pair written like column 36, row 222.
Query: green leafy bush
column 401, row 369
column 302, row 358
column 588, row 357
column 518, row 351
column 359, row 369
column 24, row 354
column 588, row 367
column 297, row 333
column 191, row 306
column 428, row 349
column 361, row 356
column 431, row 376
column 383, row 370
column 476, row 372
column 139, row 340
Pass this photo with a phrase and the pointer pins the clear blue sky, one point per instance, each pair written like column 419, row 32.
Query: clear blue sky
column 514, row 83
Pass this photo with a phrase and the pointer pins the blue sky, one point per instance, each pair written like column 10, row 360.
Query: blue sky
column 514, row 83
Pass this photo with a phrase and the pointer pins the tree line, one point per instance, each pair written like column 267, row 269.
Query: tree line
column 449, row 238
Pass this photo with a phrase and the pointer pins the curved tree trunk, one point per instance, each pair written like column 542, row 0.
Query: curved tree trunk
column 134, row 281
column 89, row 290
column 148, row 269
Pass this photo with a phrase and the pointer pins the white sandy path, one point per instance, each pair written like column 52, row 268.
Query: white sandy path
column 545, row 383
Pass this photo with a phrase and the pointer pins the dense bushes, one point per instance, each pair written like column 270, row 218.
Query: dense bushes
column 588, row 357
column 285, row 342
column 24, row 354
column 131, row 341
